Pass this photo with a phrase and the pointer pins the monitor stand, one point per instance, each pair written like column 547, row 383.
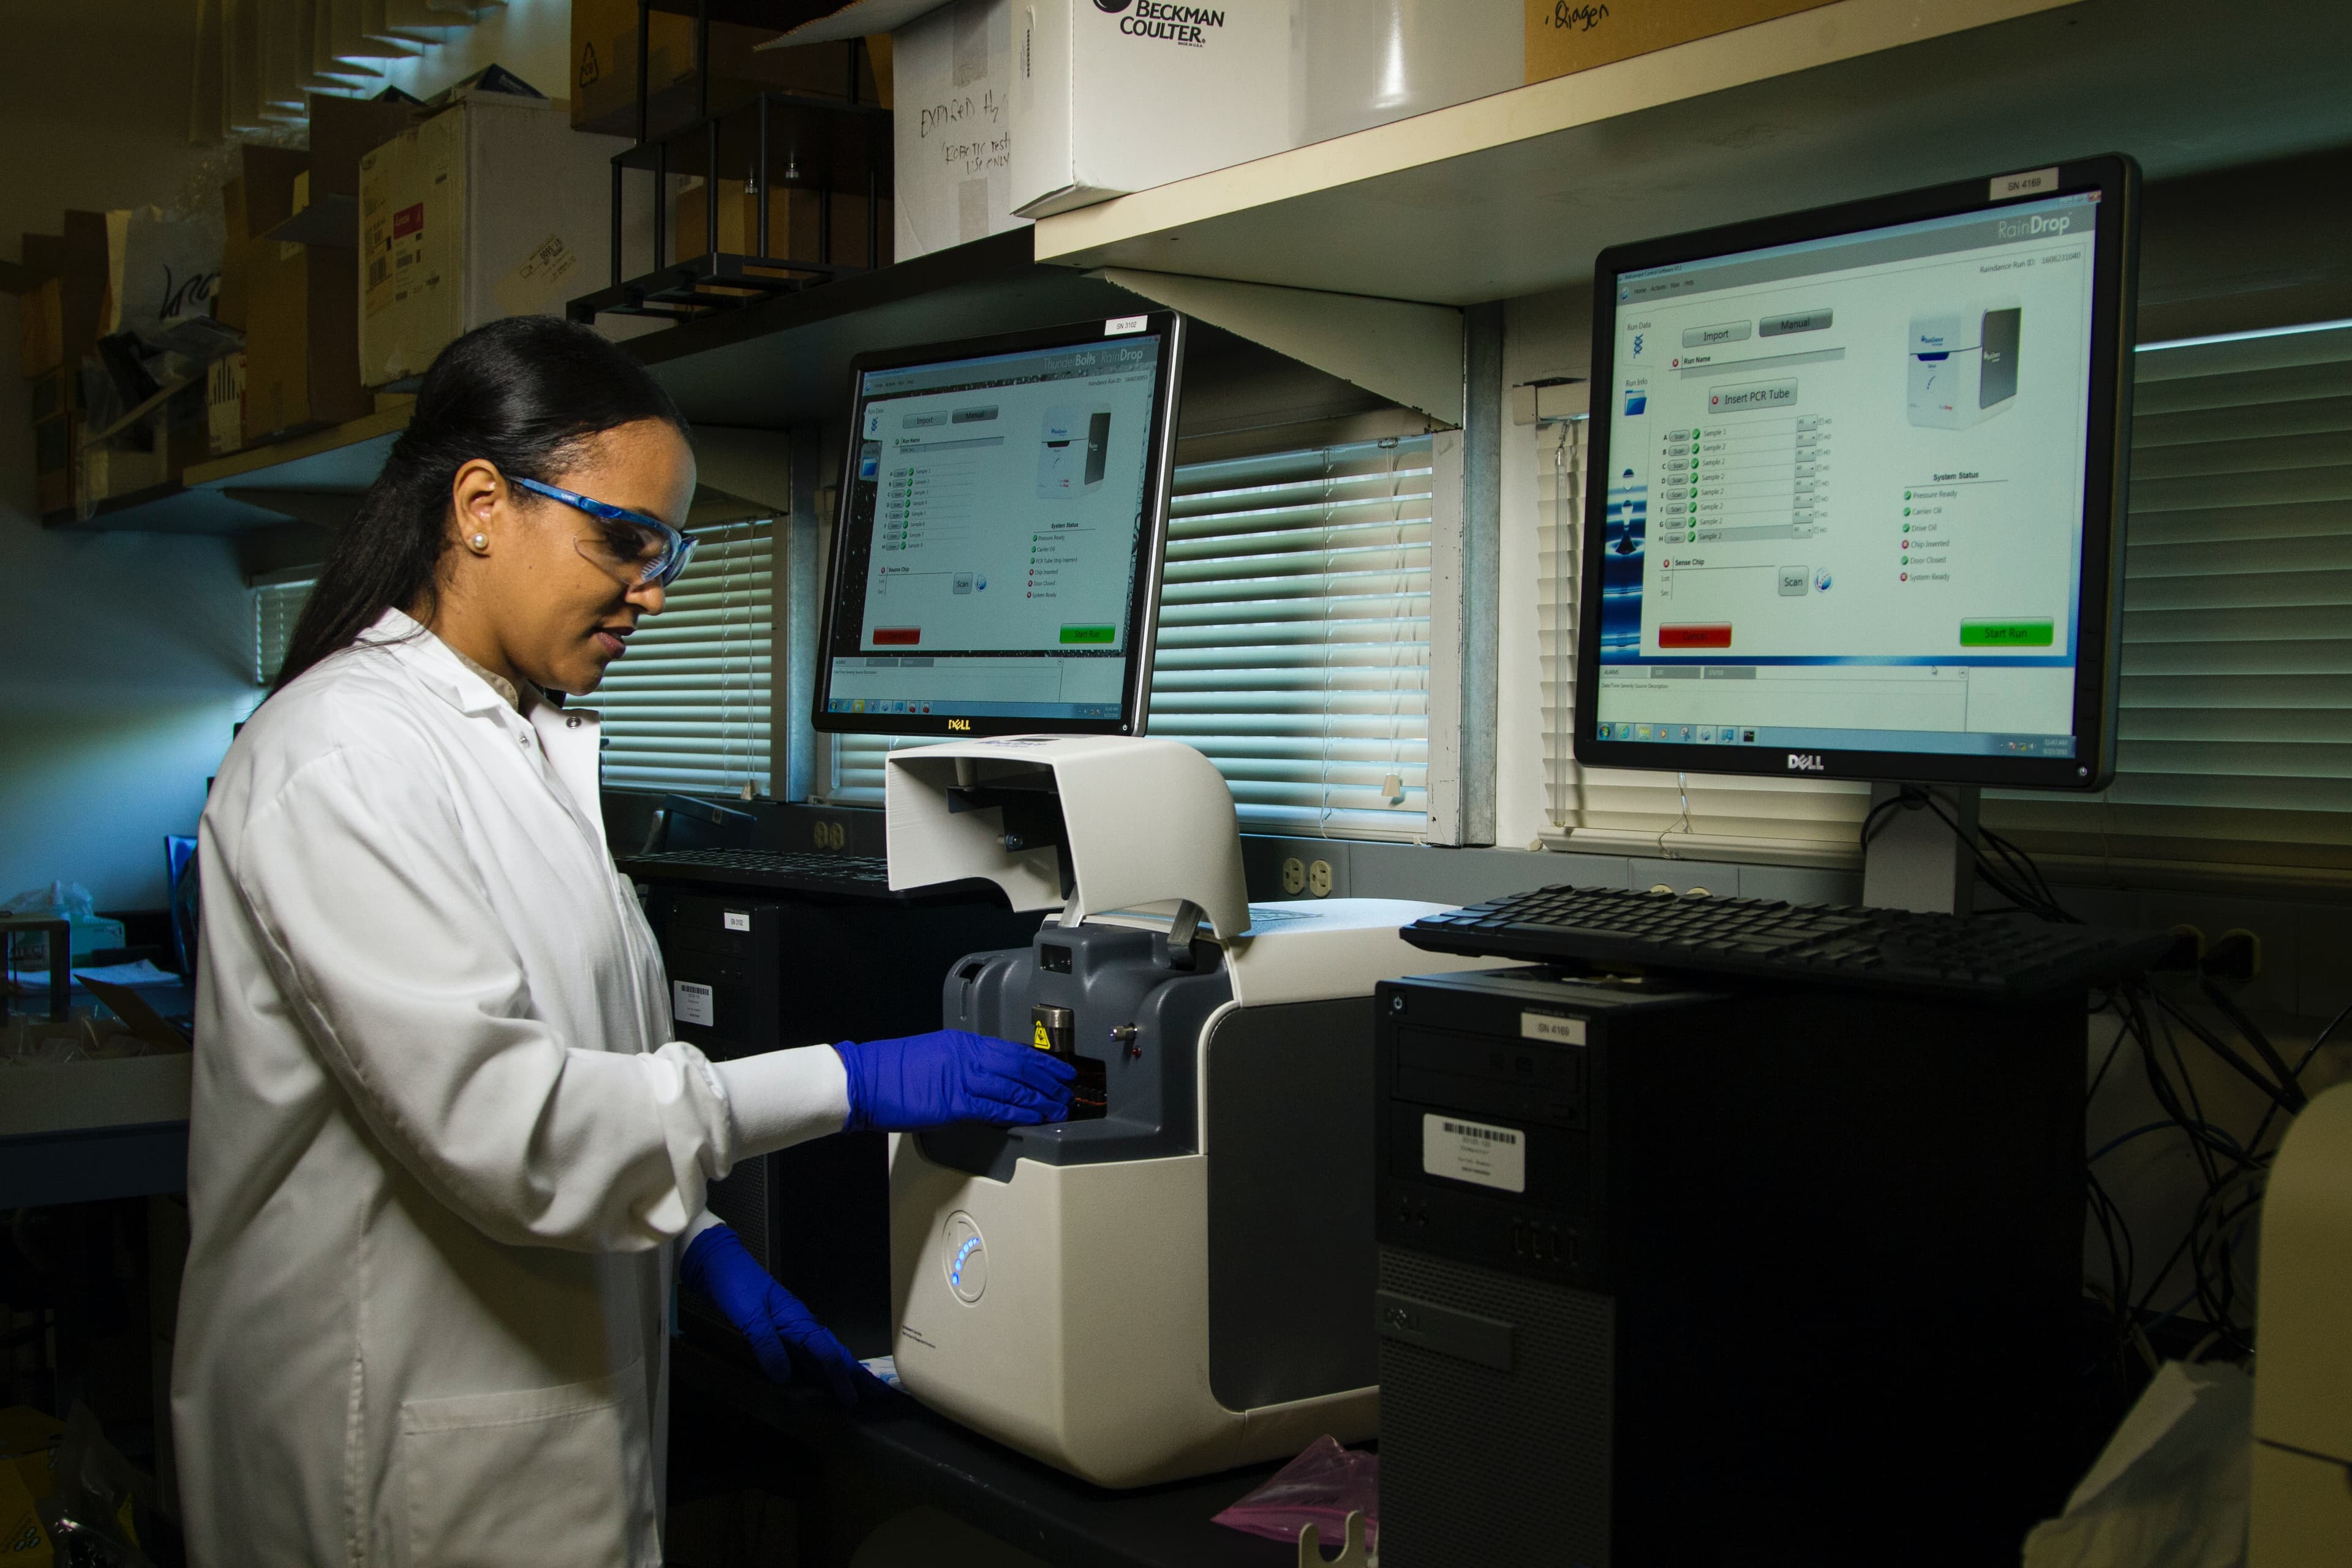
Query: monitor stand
column 1913, row 860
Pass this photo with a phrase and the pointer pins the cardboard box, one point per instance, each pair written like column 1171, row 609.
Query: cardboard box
column 54, row 440
column 491, row 207
column 793, row 213
column 266, row 179
column 41, row 333
column 224, row 404
column 343, row 131
column 952, row 80
column 82, row 284
column 323, row 208
column 1565, row 35
column 151, row 453
column 50, row 394
column 1112, row 101
column 604, row 69
column 301, row 338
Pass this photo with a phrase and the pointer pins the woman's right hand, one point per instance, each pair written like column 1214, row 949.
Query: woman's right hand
column 949, row 1075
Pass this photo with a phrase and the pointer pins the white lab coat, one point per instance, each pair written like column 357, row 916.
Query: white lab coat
column 439, row 1146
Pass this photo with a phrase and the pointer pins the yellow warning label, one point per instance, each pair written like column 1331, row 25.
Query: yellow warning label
column 1040, row 1041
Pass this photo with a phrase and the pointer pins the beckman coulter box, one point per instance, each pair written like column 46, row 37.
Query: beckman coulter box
column 1964, row 364
column 1112, row 96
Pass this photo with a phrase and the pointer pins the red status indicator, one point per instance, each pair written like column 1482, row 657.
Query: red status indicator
column 897, row 637
column 1695, row 634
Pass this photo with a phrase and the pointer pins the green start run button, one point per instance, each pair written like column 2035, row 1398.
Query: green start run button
column 1110, row 634
column 1982, row 634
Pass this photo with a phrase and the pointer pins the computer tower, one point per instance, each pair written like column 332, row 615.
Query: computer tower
column 759, row 969
column 1687, row 1278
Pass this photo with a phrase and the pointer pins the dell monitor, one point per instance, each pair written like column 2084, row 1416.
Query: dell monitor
column 1857, row 489
column 1004, row 513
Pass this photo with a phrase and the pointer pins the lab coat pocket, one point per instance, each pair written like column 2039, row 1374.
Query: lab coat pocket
column 553, row 1476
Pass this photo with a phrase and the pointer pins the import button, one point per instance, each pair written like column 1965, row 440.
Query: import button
column 1089, row 633
column 1695, row 634
column 2007, row 633
column 1706, row 337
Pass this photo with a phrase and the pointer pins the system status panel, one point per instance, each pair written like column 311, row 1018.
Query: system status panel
column 996, row 519
column 1846, row 474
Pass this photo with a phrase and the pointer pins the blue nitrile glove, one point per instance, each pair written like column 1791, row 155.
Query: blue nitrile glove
column 782, row 1331
column 952, row 1074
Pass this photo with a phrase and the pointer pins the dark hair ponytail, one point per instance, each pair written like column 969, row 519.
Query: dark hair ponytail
column 522, row 393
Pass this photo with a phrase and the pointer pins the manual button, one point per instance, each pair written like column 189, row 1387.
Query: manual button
column 1796, row 321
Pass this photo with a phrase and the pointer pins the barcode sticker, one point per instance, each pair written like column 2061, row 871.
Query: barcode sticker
column 1473, row 1151
column 735, row 920
column 691, row 1003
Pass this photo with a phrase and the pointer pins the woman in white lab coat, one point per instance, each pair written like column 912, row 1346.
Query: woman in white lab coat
column 444, row 1150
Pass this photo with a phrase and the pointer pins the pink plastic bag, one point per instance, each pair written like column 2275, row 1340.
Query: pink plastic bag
column 1321, row 1488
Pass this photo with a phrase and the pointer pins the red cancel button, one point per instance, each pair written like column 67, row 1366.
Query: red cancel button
column 1695, row 634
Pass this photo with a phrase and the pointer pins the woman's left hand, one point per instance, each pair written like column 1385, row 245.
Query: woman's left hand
column 783, row 1330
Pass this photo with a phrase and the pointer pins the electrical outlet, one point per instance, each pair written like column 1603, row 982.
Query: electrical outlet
column 1318, row 878
column 1293, row 875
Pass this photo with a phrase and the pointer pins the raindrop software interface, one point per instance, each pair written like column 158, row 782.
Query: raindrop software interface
column 995, row 514
column 1845, row 487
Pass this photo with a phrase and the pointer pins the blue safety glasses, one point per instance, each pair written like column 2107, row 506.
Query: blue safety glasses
column 642, row 550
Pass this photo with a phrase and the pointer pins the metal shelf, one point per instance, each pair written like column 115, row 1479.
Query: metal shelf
column 774, row 363
column 778, row 143
column 261, row 487
column 785, row 361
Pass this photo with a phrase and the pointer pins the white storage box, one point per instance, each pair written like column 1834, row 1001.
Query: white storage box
column 1368, row 62
column 1121, row 95
column 950, row 94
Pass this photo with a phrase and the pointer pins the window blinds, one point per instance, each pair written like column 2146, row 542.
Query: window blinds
column 276, row 607
column 1637, row 810
column 1294, row 638
column 687, row 708
column 2235, row 738
column 2235, row 733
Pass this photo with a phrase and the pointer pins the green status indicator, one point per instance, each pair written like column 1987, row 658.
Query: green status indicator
column 2007, row 633
column 1089, row 633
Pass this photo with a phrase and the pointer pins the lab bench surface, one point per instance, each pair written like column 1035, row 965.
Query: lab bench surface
column 85, row 1130
column 930, row 1459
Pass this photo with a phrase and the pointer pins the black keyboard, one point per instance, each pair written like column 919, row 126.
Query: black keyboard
column 1997, row 958
column 792, row 870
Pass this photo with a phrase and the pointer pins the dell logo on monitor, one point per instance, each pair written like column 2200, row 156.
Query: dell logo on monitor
column 1805, row 763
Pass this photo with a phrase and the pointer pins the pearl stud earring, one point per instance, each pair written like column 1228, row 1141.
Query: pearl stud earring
column 480, row 544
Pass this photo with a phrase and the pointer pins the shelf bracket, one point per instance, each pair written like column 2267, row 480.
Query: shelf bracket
column 1407, row 352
